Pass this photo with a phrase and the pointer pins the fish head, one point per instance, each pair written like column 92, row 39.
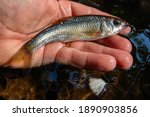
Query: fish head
column 113, row 26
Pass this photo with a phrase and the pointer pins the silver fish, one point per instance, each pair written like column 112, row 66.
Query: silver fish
column 85, row 28
column 88, row 27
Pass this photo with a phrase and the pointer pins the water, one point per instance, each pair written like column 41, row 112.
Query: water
column 141, row 52
column 57, row 81
column 136, row 12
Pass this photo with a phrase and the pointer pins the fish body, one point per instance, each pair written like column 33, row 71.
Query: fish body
column 85, row 28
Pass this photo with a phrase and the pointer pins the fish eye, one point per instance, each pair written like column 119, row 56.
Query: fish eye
column 116, row 22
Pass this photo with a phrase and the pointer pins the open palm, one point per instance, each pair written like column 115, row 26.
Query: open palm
column 22, row 20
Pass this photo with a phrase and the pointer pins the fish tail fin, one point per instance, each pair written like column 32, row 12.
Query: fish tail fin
column 22, row 59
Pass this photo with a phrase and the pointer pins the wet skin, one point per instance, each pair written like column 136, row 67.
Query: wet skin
column 22, row 20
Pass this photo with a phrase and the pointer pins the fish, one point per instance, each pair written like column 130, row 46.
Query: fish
column 75, row 28
column 85, row 28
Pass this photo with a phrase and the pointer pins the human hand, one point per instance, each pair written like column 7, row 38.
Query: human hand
column 21, row 20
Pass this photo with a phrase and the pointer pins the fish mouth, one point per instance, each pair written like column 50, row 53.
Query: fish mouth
column 132, row 29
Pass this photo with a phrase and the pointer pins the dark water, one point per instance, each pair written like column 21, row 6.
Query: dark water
column 64, row 82
column 137, row 12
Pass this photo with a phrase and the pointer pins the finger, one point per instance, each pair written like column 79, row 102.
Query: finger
column 123, row 58
column 80, row 59
column 50, row 52
column 117, row 42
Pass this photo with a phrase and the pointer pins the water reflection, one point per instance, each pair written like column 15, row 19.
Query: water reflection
column 141, row 53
